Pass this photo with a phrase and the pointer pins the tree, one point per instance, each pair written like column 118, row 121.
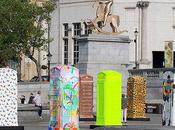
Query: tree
column 21, row 28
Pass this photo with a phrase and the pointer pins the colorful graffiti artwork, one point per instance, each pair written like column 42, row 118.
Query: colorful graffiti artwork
column 8, row 97
column 64, row 98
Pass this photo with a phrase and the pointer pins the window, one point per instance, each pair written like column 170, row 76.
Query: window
column 77, row 32
column 65, row 39
column 158, row 59
column 76, row 52
column 87, row 30
column 130, row 17
column 77, row 29
column 65, row 29
column 66, row 51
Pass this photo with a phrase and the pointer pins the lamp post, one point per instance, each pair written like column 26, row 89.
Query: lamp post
column 49, row 55
column 135, row 40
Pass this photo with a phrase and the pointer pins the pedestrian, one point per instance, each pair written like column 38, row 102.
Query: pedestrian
column 167, row 98
column 38, row 103
column 22, row 99
column 31, row 99
column 124, row 108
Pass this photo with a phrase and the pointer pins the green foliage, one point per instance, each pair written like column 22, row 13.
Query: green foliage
column 21, row 27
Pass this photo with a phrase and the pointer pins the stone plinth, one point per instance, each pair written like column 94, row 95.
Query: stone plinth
column 104, row 52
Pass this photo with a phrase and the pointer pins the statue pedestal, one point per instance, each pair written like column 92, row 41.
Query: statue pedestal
column 104, row 52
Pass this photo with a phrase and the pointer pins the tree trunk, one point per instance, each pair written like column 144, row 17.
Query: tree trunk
column 19, row 70
column 37, row 66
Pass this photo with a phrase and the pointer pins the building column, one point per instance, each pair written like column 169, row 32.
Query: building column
column 142, row 45
column 55, row 29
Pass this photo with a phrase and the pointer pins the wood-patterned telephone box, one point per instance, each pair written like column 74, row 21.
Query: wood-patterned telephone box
column 86, row 96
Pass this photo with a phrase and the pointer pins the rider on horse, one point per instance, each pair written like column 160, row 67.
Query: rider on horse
column 107, row 10
column 103, row 7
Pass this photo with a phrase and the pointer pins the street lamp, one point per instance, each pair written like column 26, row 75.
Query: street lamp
column 135, row 40
column 49, row 56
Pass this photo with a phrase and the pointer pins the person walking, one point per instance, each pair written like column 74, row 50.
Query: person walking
column 167, row 98
column 124, row 108
column 38, row 103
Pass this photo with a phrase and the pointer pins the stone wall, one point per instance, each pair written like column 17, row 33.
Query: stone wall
column 27, row 87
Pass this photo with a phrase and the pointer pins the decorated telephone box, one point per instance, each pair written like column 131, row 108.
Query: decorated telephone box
column 64, row 98
column 109, row 86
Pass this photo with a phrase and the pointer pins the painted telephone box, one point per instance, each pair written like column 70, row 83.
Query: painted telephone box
column 109, row 85
column 64, row 98
column 8, row 97
column 86, row 97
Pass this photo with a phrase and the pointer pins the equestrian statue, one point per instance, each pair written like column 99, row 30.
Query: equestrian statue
column 104, row 17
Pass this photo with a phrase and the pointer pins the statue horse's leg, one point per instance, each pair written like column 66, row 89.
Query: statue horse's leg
column 113, row 28
column 114, row 24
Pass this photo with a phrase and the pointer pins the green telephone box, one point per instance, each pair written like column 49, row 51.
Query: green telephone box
column 109, row 86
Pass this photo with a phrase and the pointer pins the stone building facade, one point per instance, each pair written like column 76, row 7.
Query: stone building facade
column 153, row 19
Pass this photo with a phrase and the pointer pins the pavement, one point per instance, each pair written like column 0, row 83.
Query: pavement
column 31, row 122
